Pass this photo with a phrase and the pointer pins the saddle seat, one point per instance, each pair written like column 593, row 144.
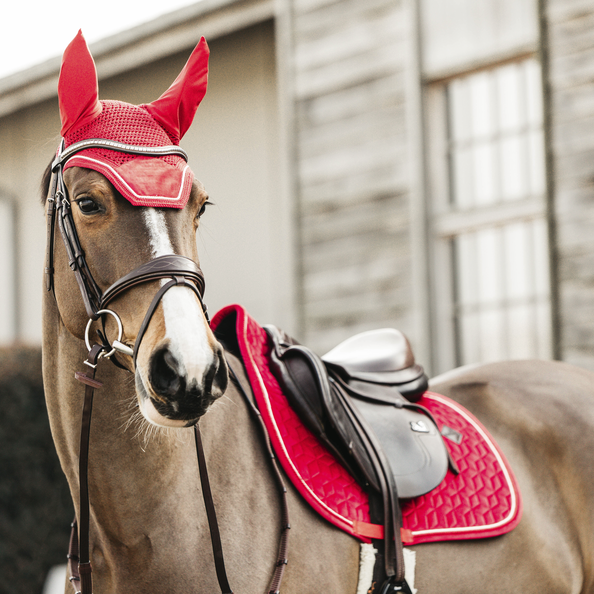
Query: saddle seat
column 379, row 357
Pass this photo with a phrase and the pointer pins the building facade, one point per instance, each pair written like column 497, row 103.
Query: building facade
column 423, row 164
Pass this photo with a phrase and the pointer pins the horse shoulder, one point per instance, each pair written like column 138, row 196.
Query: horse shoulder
column 321, row 557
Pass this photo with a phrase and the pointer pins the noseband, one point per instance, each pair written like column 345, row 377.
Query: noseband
column 181, row 270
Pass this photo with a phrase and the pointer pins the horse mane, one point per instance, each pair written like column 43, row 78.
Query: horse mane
column 46, row 178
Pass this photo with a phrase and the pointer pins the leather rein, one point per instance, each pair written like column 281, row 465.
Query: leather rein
column 181, row 271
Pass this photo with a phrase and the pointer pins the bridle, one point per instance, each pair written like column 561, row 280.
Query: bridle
column 180, row 271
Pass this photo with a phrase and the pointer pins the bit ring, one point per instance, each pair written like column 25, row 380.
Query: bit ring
column 120, row 331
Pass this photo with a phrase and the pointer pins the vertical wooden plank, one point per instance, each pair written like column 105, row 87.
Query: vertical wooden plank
column 421, row 296
column 568, row 41
column 353, row 166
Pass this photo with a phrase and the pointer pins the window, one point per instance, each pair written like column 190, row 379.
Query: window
column 489, row 216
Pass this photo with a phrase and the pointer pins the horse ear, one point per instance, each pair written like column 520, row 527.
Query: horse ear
column 77, row 86
column 174, row 110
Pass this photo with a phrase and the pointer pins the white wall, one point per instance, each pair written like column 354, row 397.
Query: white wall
column 467, row 32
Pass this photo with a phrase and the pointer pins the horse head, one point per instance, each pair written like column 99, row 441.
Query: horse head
column 126, row 203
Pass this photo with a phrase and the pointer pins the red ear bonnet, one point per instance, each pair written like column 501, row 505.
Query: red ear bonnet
column 176, row 108
column 144, row 181
column 77, row 87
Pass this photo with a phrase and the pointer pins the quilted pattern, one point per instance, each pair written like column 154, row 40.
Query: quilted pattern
column 482, row 501
column 318, row 476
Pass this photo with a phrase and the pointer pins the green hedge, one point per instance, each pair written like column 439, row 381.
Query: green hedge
column 35, row 505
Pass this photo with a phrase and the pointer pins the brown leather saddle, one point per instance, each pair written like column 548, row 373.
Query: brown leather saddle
column 360, row 398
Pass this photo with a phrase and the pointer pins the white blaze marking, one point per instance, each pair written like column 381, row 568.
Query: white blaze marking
column 184, row 325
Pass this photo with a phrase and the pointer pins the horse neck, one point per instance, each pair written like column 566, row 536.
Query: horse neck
column 132, row 469
column 147, row 514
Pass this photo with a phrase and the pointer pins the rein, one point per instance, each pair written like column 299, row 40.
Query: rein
column 181, row 271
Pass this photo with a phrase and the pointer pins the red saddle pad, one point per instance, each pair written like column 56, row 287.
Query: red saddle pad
column 483, row 500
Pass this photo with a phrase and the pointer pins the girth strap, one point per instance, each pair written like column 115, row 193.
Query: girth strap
column 324, row 405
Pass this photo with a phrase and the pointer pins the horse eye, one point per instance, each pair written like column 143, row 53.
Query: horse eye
column 87, row 206
column 203, row 208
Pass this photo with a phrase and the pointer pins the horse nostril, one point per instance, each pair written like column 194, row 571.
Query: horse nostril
column 164, row 375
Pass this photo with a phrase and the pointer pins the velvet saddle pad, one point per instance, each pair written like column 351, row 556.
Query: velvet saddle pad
column 482, row 501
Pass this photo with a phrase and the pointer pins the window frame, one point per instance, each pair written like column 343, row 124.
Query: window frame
column 446, row 222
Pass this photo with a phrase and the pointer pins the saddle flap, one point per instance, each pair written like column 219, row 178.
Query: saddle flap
column 304, row 381
column 300, row 379
column 412, row 444
column 349, row 415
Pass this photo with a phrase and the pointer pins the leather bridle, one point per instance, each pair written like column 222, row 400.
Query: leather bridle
column 181, row 271
column 185, row 270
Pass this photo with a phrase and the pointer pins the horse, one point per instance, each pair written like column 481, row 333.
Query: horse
column 149, row 531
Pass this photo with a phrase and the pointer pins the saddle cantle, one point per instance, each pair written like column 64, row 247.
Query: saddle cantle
column 357, row 400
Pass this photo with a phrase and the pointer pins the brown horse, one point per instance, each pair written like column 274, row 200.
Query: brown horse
column 148, row 526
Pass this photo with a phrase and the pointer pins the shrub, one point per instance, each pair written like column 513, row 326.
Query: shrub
column 35, row 504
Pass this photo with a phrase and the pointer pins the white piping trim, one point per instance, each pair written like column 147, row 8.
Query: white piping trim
column 492, row 447
column 276, row 430
column 124, row 183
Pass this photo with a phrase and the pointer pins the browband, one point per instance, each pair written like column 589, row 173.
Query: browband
column 113, row 145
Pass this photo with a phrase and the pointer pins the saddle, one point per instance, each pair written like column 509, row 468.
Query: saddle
column 360, row 400
column 374, row 368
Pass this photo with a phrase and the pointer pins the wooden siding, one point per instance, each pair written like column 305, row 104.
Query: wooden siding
column 571, row 76
column 351, row 153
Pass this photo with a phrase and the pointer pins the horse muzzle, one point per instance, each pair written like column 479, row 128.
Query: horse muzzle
column 170, row 396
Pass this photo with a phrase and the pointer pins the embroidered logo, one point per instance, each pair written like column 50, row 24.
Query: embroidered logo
column 452, row 434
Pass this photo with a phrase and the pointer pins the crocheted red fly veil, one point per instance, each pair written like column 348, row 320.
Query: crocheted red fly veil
column 142, row 180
